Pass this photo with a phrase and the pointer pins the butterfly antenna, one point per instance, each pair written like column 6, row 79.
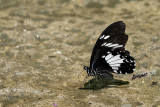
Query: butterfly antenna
column 81, row 62
column 79, row 74
column 78, row 58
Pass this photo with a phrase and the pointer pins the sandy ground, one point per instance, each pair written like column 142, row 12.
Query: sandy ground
column 38, row 69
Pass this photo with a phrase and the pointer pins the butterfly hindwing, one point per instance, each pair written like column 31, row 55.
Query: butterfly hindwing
column 119, row 61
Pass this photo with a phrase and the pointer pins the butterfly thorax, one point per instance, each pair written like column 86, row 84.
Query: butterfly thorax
column 90, row 72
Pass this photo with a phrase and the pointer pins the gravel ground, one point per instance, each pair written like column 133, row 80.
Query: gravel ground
column 38, row 68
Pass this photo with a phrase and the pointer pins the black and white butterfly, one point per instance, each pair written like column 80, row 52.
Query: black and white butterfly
column 109, row 54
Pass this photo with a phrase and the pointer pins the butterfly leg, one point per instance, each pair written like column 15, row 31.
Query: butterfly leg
column 85, row 78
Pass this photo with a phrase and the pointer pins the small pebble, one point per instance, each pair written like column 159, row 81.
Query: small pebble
column 38, row 37
column 15, row 25
column 58, row 52
column 24, row 30
column 154, row 83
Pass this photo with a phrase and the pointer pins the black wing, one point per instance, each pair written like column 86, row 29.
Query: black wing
column 109, row 54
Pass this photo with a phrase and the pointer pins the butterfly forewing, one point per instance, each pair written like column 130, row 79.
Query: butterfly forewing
column 115, row 34
column 109, row 54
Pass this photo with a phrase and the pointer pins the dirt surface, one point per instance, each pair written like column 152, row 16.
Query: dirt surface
column 38, row 68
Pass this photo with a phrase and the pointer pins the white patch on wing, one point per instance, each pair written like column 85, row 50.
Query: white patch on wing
column 115, row 68
column 108, row 44
column 117, row 61
column 113, row 45
column 103, row 56
column 108, row 57
column 117, row 57
column 108, row 52
column 106, row 37
column 104, row 44
column 102, row 36
column 115, row 71
column 118, row 46
column 112, row 65
column 113, row 61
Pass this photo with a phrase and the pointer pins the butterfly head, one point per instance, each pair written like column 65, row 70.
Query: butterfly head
column 86, row 68
column 89, row 71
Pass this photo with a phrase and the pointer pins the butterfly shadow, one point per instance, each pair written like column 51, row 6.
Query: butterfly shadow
column 100, row 83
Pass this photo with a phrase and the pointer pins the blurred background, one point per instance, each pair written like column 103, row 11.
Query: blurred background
column 38, row 68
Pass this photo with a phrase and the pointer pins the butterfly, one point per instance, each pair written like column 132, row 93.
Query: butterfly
column 109, row 54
